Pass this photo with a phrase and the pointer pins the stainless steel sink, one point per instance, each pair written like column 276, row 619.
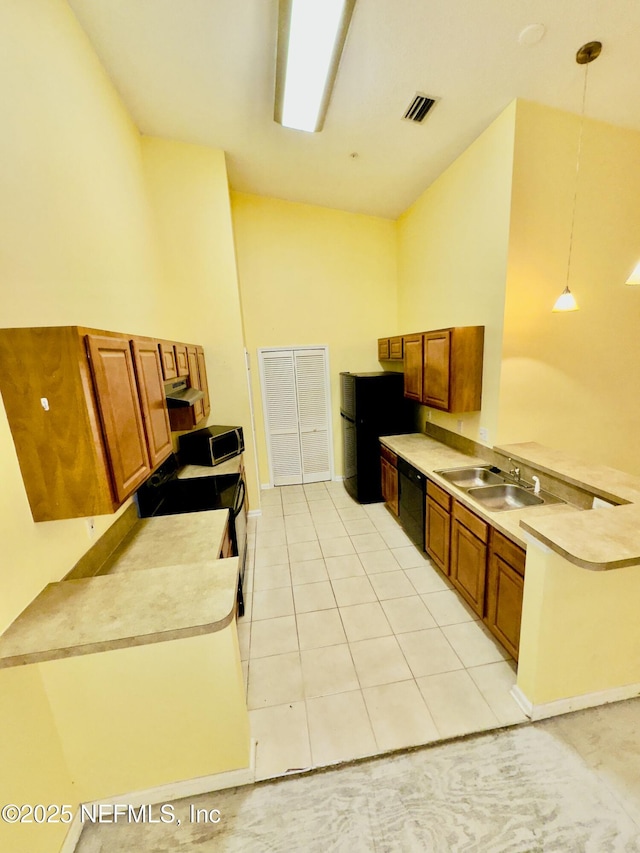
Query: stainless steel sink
column 467, row 478
column 503, row 497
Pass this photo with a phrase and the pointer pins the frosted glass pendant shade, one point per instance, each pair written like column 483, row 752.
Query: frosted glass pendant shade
column 565, row 302
column 634, row 278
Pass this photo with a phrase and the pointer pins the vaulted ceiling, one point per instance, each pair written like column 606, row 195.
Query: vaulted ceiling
column 203, row 71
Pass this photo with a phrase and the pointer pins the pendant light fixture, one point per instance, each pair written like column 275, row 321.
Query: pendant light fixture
column 587, row 53
column 311, row 36
column 634, row 278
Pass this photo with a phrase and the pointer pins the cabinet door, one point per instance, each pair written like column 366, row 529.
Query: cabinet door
column 413, row 367
column 438, row 534
column 182, row 363
column 383, row 349
column 393, row 490
column 505, row 586
column 120, row 412
column 389, row 476
column 504, row 603
column 194, row 382
column 168, row 358
column 468, row 565
column 202, row 378
column 436, row 370
column 146, row 356
column 396, row 348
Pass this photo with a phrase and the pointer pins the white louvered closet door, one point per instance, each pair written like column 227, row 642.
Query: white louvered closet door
column 296, row 405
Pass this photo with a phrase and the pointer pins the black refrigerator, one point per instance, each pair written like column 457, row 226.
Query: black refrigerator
column 371, row 405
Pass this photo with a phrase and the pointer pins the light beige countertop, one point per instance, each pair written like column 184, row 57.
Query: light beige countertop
column 183, row 591
column 170, row 540
column 90, row 615
column 603, row 538
column 231, row 466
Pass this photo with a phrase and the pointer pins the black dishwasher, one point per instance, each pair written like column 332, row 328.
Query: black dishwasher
column 412, row 487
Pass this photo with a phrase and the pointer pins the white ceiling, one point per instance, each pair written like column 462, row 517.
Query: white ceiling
column 203, row 71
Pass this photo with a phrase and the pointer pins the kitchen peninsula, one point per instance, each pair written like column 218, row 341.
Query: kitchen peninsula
column 132, row 678
column 580, row 635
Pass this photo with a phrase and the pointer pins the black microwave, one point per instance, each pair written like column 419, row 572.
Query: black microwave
column 211, row 445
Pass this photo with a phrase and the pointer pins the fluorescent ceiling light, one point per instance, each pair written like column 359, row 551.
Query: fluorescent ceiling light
column 310, row 41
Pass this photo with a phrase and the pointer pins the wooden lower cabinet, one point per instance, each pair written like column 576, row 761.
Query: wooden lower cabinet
column 485, row 567
column 438, row 526
column 389, row 475
column 469, row 535
column 505, row 586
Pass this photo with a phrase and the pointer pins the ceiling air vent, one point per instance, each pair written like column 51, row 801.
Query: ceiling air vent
column 419, row 107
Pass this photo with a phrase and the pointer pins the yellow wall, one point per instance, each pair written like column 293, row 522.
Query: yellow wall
column 87, row 728
column 199, row 299
column 570, row 380
column 150, row 715
column 580, row 629
column 77, row 240
column 452, row 256
column 33, row 765
column 103, row 230
column 313, row 276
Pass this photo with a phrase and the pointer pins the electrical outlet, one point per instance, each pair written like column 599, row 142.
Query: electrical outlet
column 483, row 434
column 91, row 527
column 428, row 414
column 460, row 425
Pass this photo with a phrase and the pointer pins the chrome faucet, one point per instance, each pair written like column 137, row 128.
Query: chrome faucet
column 515, row 473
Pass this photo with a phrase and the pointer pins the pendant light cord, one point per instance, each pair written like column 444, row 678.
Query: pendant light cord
column 575, row 191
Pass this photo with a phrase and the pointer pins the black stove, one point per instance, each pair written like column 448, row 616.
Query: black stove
column 165, row 493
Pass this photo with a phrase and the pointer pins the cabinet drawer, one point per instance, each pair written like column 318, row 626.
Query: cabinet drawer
column 396, row 347
column 476, row 525
column 439, row 495
column 511, row 553
column 389, row 455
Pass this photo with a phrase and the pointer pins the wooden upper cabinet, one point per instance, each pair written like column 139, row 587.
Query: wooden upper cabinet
column 188, row 417
column 437, row 369
column 146, row 356
column 396, row 348
column 390, row 349
column 182, row 364
column 120, row 412
column 202, row 378
column 413, row 367
column 168, row 360
column 87, row 414
column 48, row 395
column 383, row 349
column 452, row 369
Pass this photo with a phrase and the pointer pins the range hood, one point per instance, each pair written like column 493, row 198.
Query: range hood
column 179, row 395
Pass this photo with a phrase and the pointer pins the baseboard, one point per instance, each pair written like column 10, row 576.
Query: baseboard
column 254, row 513
column 265, row 486
column 574, row 703
column 169, row 792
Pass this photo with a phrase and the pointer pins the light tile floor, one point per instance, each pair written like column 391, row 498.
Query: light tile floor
column 353, row 643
